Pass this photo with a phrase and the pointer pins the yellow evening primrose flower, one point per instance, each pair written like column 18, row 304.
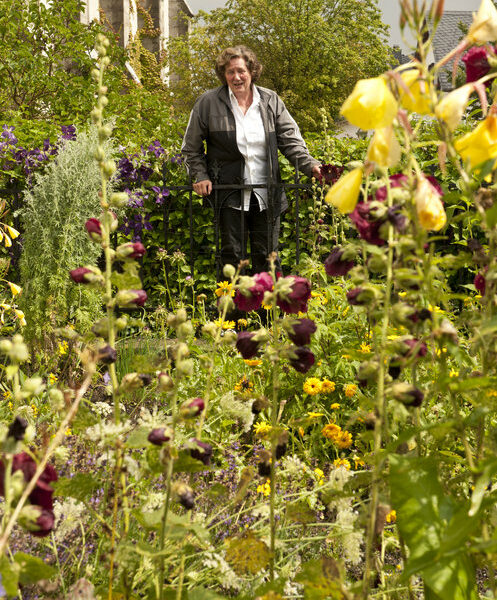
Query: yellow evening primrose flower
column 342, row 462
column 344, row 194
column 451, row 107
column 358, row 462
column 391, row 517
column 484, row 26
column 479, row 145
column 242, row 323
column 365, row 348
column 418, row 100
column 371, row 104
column 224, row 288
column 384, row 148
column 262, row 429
column 62, row 348
column 431, row 213
column 6, row 241
column 12, row 232
column 327, row 386
column 312, row 386
column 454, row 373
column 15, row 289
column 350, row 390
column 20, row 315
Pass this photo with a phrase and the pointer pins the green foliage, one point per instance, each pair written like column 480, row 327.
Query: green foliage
column 55, row 242
column 312, row 51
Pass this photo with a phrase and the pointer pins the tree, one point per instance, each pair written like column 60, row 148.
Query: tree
column 312, row 51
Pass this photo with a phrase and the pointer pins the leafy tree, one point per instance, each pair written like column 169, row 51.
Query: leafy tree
column 312, row 51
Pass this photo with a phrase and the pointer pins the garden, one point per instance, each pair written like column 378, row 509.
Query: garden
column 338, row 440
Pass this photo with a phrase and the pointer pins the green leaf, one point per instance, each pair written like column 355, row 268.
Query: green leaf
column 186, row 464
column 321, row 579
column 81, row 486
column 481, row 486
column 203, row 594
column 32, row 568
column 9, row 573
column 138, row 438
column 247, row 554
column 126, row 281
column 299, row 512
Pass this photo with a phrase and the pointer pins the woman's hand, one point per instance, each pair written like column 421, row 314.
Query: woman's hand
column 203, row 188
column 316, row 172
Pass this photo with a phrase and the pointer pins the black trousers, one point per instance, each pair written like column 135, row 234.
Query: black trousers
column 239, row 226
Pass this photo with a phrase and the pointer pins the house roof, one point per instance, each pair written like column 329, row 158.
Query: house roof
column 188, row 10
column 446, row 38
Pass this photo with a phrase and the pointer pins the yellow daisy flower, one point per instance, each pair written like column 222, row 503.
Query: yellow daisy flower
column 224, row 288
column 334, row 406
column 350, row 390
column 342, row 462
column 343, row 439
column 312, row 386
column 331, row 431
column 253, row 362
column 327, row 386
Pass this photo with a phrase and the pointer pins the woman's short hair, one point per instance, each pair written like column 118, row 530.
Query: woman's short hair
column 223, row 60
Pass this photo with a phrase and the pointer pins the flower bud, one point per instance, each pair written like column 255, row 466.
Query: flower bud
column 225, row 304
column 337, row 263
column 18, row 351
column 446, row 332
column 293, row 293
column 118, row 199
column 368, row 372
column 184, row 495
column 131, row 298
column 104, row 132
column 184, row 330
column 180, row 351
column 109, row 168
column 181, row 316
column 131, row 250
column 185, row 367
column 165, row 382
column 362, row 296
column 229, row 271
column 160, row 436
column 87, row 275
column 192, row 408
column 17, row 429
column 259, row 405
column 56, row 398
column 402, row 313
column 246, row 344
column 121, row 323
column 281, row 445
column 407, row 394
column 107, row 355
column 94, row 229
column 210, row 329
column 300, row 331
column 202, row 451
column 229, row 338
column 33, row 386
column 264, row 463
column 133, row 381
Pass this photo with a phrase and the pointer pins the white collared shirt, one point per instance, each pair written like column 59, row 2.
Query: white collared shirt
column 251, row 141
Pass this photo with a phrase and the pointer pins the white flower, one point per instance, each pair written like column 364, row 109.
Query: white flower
column 68, row 516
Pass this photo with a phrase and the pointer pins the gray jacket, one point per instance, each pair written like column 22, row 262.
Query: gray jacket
column 212, row 120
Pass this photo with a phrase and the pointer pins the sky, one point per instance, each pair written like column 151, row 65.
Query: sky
column 390, row 10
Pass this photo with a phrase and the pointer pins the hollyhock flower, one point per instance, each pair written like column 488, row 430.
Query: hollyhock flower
column 130, row 298
column 384, row 148
column 451, row 107
column 411, row 344
column 354, row 296
column 203, row 452
column 429, row 207
column 330, row 173
column 159, row 436
column 484, row 26
column 184, row 494
column 480, row 283
column 192, row 408
column 418, row 100
column 94, row 229
column 43, row 491
column 479, row 145
column 250, row 291
column 407, row 393
column 38, row 521
column 362, row 295
column 300, row 331
column 335, row 266
column 131, row 250
column 293, row 293
column 107, row 355
column 90, row 275
column 247, row 344
column 371, row 104
column 344, row 194
column 301, row 359
column 477, row 65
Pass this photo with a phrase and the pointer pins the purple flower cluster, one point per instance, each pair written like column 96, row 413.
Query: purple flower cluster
column 135, row 224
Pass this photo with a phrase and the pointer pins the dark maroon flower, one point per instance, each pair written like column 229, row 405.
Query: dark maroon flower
column 407, row 393
column 44, row 523
column 397, row 180
column 411, row 344
column 94, row 229
column 246, row 345
column 17, row 429
column 203, row 452
column 330, row 174
column 294, row 299
column 252, row 299
column 353, row 296
column 193, row 407
column 335, row 266
column 397, row 219
column 280, row 450
column 300, row 331
column 367, row 226
column 42, row 493
column 107, row 355
column 477, row 65
column 302, row 360
column 480, row 283
column 159, row 436
column 132, row 250
column 80, row 275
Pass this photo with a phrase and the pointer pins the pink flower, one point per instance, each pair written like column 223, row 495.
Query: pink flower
column 130, row 250
column 250, row 297
column 94, row 229
column 159, row 436
column 480, row 283
column 130, row 298
column 79, row 275
column 477, row 65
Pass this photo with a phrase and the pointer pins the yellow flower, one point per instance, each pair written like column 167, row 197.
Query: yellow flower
column 68, row 431
column 225, row 324
column 451, row 107
column 350, row 390
column 314, row 415
column 267, row 306
column 6, row 394
column 242, row 323
column 342, row 462
column 301, row 431
column 344, row 194
column 365, row 348
column 484, row 26
column 439, row 351
column 62, row 348
column 479, row 145
column 334, row 406
column 52, row 378
column 391, row 517
column 20, row 315
column 12, row 232
column 431, row 213
column 343, row 439
column 384, row 148
column 454, row 373
column 358, row 462
column 10, row 405
column 331, row 431
column 244, row 385
column 262, row 429
column 264, row 488
column 15, row 289
column 345, row 311
column 319, row 475
column 253, row 362
column 327, row 386
column 224, row 288
column 418, row 100
column 312, row 386
column 371, row 104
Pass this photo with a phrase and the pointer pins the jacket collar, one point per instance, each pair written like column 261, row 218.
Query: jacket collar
column 224, row 95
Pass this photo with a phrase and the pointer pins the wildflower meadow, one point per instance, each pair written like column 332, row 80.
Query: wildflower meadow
column 324, row 429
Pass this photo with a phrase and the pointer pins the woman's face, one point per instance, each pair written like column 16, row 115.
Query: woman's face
column 238, row 76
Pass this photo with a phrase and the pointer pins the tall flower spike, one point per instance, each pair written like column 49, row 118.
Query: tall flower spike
column 344, row 194
column 371, row 104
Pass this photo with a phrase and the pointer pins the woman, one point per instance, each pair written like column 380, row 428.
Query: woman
column 244, row 126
